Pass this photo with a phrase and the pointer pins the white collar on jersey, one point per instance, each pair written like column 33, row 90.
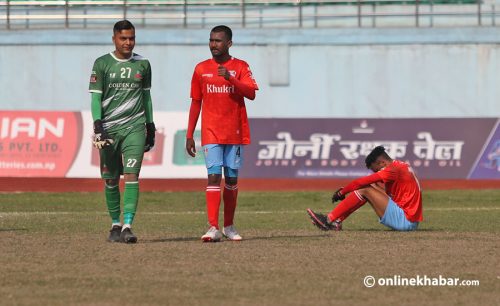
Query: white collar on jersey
column 119, row 59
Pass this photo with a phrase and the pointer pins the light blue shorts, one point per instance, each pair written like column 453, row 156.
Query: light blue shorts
column 394, row 217
column 219, row 155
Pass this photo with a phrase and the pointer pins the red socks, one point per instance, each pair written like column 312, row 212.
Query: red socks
column 230, row 195
column 213, row 203
column 351, row 203
column 213, row 196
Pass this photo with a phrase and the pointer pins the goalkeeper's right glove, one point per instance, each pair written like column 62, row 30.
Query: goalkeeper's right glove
column 150, row 136
column 101, row 138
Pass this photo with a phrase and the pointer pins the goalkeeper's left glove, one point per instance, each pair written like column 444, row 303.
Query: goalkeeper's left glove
column 101, row 139
column 150, row 136
column 338, row 196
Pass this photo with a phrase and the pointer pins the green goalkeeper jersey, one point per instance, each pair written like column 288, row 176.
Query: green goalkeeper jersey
column 122, row 83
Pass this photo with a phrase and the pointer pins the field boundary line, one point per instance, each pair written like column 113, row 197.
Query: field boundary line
column 257, row 212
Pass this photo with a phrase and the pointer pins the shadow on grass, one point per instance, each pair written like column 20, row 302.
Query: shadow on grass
column 278, row 237
column 173, row 239
column 13, row 229
column 275, row 237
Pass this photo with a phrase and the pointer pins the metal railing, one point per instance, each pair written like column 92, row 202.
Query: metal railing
column 249, row 13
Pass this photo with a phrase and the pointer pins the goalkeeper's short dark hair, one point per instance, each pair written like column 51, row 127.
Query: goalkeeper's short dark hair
column 222, row 28
column 374, row 154
column 123, row 25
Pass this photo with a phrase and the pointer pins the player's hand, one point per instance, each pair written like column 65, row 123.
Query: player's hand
column 223, row 72
column 101, row 139
column 191, row 147
column 150, row 136
column 338, row 196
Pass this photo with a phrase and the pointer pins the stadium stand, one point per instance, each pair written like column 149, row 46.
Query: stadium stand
column 15, row 14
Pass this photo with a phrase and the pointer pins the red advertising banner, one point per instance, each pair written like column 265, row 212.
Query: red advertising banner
column 38, row 144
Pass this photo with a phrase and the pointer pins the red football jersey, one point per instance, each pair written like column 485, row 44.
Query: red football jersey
column 223, row 114
column 401, row 185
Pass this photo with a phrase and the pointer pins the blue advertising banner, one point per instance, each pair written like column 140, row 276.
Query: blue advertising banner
column 488, row 164
column 444, row 148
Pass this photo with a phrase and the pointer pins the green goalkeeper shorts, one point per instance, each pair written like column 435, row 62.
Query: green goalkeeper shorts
column 125, row 154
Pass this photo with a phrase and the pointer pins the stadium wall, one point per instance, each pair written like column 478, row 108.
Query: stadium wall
column 429, row 95
column 302, row 73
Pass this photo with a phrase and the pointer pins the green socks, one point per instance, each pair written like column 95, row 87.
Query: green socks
column 113, row 202
column 130, row 199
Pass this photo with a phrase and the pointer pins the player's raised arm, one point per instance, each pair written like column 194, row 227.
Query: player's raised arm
column 246, row 90
column 246, row 86
column 360, row 183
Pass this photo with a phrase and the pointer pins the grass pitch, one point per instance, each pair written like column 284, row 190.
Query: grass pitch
column 54, row 252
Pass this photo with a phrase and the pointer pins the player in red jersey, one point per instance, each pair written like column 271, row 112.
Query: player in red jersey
column 398, row 205
column 218, row 89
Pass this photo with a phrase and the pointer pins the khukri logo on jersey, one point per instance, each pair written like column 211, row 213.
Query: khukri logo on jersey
column 211, row 88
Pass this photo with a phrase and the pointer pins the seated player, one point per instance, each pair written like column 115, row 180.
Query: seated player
column 398, row 205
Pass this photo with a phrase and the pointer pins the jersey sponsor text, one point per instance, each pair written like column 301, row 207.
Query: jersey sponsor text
column 211, row 88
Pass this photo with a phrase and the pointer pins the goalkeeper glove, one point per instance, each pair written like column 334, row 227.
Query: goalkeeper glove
column 338, row 196
column 150, row 136
column 101, row 138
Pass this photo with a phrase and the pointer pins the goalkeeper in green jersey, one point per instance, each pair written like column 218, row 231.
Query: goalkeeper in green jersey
column 123, row 125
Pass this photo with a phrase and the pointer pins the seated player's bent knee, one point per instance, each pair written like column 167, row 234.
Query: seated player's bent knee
column 367, row 190
column 364, row 191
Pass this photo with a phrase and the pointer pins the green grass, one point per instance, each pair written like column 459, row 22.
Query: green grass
column 455, row 211
column 54, row 252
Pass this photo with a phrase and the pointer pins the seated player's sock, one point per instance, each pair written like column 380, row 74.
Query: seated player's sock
column 112, row 194
column 212, row 195
column 230, row 196
column 130, row 199
column 351, row 203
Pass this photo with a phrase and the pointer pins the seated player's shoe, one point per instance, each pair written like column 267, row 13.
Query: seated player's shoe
column 230, row 233
column 127, row 236
column 212, row 235
column 114, row 233
column 321, row 221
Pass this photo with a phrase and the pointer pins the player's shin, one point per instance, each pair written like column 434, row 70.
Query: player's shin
column 230, row 196
column 213, row 204
column 350, row 204
column 112, row 194
column 130, row 199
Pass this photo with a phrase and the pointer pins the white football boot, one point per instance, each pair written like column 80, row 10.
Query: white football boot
column 212, row 235
column 231, row 233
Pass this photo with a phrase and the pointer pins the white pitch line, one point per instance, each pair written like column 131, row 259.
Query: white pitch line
column 258, row 212
column 461, row 208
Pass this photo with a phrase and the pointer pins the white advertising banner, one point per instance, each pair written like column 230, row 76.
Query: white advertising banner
column 168, row 159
